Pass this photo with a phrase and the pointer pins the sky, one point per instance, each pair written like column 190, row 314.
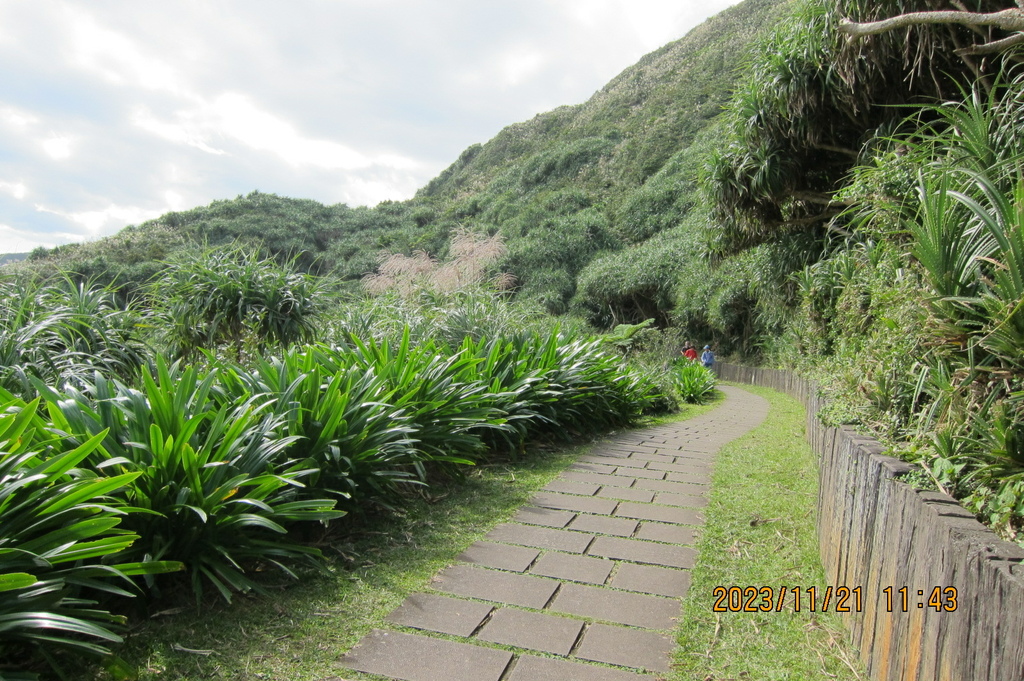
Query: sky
column 113, row 112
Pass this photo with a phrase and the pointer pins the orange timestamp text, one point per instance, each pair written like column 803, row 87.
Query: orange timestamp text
column 829, row 599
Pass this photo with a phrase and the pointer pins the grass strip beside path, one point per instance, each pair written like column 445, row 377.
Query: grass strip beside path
column 760, row 532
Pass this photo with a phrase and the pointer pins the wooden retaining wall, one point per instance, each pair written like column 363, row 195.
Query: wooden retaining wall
column 877, row 532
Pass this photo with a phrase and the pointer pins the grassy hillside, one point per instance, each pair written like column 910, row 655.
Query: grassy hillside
column 562, row 188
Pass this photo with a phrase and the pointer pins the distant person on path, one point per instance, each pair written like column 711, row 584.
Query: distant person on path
column 708, row 357
column 690, row 352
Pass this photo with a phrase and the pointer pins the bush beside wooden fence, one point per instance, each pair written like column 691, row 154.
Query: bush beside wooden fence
column 877, row 532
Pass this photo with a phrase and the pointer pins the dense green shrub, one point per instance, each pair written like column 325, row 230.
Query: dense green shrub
column 692, row 382
column 231, row 297
column 60, row 331
column 61, row 542
column 208, row 470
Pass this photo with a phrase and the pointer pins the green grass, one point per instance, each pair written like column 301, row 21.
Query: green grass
column 300, row 630
column 760, row 531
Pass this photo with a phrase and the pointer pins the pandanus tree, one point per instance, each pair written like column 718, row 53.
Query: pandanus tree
column 818, row 97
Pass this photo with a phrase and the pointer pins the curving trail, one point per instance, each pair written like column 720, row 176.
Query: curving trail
column 591, row 572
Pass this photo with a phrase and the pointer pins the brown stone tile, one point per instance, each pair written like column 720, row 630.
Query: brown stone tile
column 604, row 449
column 650, row 579
column 540, row 537
column 530, row 668
column 682, row 500
column 548, row 517
column 672, row 487
column 532, row 630
column 626, row 647
column 613, row 461
column 600, row 524
column 698, row 478
column 418, row 658
column 501, row 556
column 574, row 568
column 663, row 514
column 439, row 613
column 491, row 585
column 597, row 478
column 686, row 469
column 593, row 468
column 567, row 502
column 586, row 489
column 601, row 603
column 662, row 458
column 670, row 534
column 627, row 494
column 646, row 474
column 638, row 551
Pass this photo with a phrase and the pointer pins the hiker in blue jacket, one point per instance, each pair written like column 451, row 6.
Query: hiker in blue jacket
column 707, row 358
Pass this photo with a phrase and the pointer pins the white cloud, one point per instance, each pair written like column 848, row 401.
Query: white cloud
column 181, row 131
column 97, row 221
column 14, row 240
column 58, row 147
column 16, row 118
column 16, row 189
column 520, row 63
column 117, row 58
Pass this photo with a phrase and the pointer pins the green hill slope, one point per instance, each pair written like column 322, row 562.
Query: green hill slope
column 564, row 187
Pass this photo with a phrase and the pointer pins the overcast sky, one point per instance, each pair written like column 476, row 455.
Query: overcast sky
column 116, row 111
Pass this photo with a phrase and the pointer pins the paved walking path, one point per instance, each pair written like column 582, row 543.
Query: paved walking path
column 585, row 583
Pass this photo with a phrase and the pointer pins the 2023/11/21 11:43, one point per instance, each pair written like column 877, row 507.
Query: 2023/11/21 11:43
column 839, row 599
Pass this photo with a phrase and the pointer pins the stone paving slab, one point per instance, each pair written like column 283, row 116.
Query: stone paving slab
column 682, row 500
column 646, row 473
column 613, row 461
column 633, row 609
column 673, row 487
column 567, row 502
column 573, row 568
column 439, row 613
column 610, row 451
column 598, row 478
column 586, row 489
column 530, row 668
column 548, row 517
column 626, row 647
column 499, row 587
column 670, row 534
column 650, row 579
column 626, row 494
column 541, row 537
column 532, row 630
column 638, row 551
column 698, row 478
column 418, row 658
column 686, row 469
column 600, row 524
column 500, row 556
column 592, row 468
column 663, row 514
column 659, row 458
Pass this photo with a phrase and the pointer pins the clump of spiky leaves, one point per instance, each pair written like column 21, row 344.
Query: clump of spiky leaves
column 692, row 382
column 59, row 331
column 61, row 542
column 231, row 298
column 208, row 472
column 337, row 412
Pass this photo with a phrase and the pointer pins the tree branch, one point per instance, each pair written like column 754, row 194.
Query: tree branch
column 992, row 47
column 1007, row 19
